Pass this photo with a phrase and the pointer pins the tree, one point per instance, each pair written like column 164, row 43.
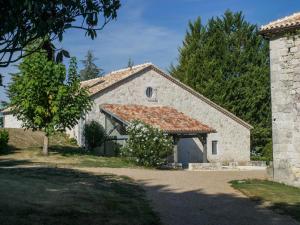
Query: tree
column 228, row 62
column 24, row 22
column 90, row 70
column 44, row 99
column 130, row 63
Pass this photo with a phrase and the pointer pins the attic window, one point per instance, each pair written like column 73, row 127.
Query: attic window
column 149, row 92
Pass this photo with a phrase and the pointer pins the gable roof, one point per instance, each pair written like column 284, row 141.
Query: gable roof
column 163, row 117
column 115, row 78
column 287, row 23
column 99, row 84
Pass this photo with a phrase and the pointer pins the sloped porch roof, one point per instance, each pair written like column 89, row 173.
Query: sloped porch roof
column 166, row 118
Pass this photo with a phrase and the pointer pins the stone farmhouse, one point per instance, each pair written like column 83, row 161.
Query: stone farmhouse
column 284, row 36
column 202, row 130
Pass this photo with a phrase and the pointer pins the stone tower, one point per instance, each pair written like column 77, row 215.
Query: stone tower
column 284, row 36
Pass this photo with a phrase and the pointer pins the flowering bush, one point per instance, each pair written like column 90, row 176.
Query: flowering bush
column 147, row 146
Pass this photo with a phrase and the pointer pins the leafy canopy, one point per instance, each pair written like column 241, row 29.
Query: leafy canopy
column 43, row 98
column 228, row 62
column 90, row 70
column 24, row 22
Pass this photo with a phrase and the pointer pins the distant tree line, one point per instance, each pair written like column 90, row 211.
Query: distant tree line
column 227, row 61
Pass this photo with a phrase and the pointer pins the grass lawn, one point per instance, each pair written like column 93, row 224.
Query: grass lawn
column 61, row 156
column 279, row 197
column 45, row 190
column 26, row 148
column 47, row 196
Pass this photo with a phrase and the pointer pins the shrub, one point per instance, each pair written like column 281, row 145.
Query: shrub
column 94, row 134
column 147, row 146
column 265, row 154
column 73, row 141
column 4, row 137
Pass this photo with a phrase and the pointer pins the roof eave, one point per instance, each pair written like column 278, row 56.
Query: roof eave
column 194, row 132
column 268, row 33
column 113, row 115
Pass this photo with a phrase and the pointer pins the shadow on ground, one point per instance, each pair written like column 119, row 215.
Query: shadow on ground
column 48, row 195
column 199, row 208
column 69, row 150
column 12, row 162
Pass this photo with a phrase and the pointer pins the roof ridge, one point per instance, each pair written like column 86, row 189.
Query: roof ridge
column 130, row 68
column 285, row 22
column 85, row 81
column 118, row 71
column 282, row 19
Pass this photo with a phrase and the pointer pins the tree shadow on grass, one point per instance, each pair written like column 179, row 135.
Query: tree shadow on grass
column 290, row 209
column 48, row 195
column 13, row 162
column 8, row 150
column 69, row 150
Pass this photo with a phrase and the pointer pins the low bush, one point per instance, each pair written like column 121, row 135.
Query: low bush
column 94, row 134
column 4, row 137
column 265, row 154
column 147, row 146
column 73, row 141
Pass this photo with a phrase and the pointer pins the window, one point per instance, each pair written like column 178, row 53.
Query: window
column 149, row 92
column 214, row 148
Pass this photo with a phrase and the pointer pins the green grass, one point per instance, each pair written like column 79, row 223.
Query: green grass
column 25, row 147
column 279, row 197
column 33, row 156
column 47, row 196
column 47, row 190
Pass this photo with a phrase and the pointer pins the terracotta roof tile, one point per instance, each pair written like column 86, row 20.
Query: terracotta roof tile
column 99, row 84
column 166, row 118
column 289, row 22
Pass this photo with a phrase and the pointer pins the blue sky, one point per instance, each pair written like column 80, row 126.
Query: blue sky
column 152, row 30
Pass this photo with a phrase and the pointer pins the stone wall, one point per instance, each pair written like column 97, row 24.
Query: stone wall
column 233, row 138
column 11, row 122
column 285, row 90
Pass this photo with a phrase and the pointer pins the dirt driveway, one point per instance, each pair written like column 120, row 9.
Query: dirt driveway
column 201, row 197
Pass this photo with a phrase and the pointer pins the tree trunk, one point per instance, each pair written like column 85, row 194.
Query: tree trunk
column 45, row 146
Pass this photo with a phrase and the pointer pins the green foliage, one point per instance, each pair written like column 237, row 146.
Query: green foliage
column 94, row 134
column 4, row 137
column 130, row 63
column 24, row 22
column 90, row 70
column 147, row 146
column 42, row 97
column 73, row 141
column 228, row 62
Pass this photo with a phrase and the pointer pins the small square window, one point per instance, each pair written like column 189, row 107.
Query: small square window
column 214, row 147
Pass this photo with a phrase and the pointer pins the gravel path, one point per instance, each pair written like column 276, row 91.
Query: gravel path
column 201, row 197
